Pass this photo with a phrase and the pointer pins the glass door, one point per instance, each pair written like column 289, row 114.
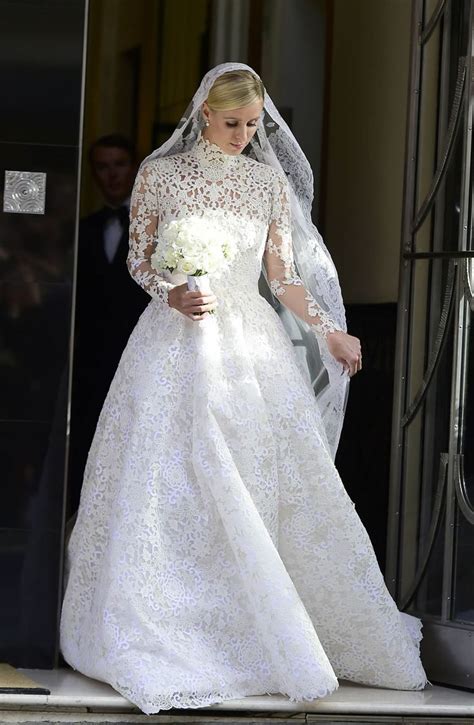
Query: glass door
column 431, row 516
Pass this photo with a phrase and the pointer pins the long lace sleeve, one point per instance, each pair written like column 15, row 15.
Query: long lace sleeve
column 279, row 264
column 143, row 224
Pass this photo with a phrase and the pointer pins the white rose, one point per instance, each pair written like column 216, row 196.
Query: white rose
column 186, row 248
column 195, row 261
column 170, row 258
column 186, row 267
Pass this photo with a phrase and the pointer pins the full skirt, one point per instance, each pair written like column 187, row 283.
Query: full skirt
column 216, row 553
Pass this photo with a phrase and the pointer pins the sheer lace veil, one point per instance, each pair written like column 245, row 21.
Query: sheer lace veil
column 275, row 144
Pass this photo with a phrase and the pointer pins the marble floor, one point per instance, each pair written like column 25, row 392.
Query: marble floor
column 71, row 691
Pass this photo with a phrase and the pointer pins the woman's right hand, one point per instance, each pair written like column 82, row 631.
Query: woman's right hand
column 193, row 304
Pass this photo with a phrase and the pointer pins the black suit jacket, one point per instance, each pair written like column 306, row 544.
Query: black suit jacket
column 109, row 302
column 108, row 305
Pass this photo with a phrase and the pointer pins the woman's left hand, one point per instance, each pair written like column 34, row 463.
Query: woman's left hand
column 346, row 349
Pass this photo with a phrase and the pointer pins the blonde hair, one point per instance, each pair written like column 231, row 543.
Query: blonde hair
column 235, row 89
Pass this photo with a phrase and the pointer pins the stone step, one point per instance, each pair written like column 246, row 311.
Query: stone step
column 79, row 699
column 66, row 717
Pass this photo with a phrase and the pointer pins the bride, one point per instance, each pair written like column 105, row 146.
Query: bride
column 216, row 553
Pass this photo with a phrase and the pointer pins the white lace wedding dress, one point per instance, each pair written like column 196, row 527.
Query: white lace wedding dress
column 216, row 553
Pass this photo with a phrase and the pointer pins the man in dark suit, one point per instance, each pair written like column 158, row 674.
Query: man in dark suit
column 108, row 301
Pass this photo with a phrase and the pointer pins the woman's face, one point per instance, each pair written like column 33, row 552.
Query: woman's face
column 231, row 130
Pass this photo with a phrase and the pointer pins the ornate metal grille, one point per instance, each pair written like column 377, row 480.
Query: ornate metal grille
column 431, row 516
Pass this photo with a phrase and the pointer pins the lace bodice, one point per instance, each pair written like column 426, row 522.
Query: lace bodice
column 251, row 202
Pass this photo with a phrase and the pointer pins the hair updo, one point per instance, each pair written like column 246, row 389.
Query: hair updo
column 235, row 89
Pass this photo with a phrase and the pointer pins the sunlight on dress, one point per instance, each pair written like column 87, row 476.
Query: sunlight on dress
column 216, row 553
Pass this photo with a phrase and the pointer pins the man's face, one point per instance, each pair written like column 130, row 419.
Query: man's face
column 114, row 172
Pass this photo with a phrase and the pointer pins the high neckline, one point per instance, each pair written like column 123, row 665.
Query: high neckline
column 210, row 154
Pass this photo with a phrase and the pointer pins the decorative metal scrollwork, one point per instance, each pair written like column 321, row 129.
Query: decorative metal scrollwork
column 462, row 496
column 450, row 136
column 432, row 22
column 438, row 508
column 438, row 346
column 469, row 282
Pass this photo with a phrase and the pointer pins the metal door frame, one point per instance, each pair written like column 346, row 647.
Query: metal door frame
column 447, row 647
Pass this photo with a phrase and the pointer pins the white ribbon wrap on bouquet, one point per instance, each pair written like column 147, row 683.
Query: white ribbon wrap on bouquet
column 199, row 283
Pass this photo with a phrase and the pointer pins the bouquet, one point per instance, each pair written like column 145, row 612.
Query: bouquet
column 193, row 246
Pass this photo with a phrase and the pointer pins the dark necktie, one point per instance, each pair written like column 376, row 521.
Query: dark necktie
column 121, row 213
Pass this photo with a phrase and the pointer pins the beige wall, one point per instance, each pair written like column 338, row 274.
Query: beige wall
column 367, row 114
column 117, row 28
